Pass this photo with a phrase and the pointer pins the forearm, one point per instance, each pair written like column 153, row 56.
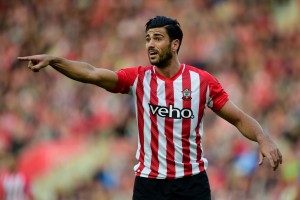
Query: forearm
column 79, row 71
column 250, row 128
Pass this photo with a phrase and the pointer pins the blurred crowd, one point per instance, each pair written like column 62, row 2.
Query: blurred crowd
column 251, row 46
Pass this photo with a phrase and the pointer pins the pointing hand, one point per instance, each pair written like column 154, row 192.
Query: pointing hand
column 36, row 62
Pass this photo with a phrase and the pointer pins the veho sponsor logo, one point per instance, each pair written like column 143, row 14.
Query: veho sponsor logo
column 171, row 112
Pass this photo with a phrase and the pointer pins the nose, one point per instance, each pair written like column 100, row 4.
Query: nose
column 150, row 43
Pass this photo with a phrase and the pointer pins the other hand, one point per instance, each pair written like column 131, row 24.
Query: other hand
column 267, row 148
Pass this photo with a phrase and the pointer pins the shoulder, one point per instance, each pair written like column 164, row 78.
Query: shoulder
column 128, row 76
column 204, row 75
column 134, row 71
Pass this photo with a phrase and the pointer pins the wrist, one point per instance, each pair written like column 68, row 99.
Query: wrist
column 53, row 60
column 262, row 138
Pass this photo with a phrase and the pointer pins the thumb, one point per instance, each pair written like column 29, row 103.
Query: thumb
column 261, row 158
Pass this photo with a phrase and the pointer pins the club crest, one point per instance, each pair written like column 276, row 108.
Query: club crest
column 186, row 94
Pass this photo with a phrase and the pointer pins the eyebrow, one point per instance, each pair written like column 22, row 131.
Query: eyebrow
column 155, row 35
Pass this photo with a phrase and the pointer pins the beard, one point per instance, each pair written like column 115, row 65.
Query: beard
column 164, row 58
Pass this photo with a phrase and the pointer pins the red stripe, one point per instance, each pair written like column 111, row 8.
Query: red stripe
column 169, row 124
column 140, row 120
column 186, row 126
column 202, row 99
column 154, row 129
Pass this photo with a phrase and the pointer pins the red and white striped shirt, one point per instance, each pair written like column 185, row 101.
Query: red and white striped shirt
column 169, row 114
column 14, row 186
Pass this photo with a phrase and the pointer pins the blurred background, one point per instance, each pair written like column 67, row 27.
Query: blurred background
column 77, row 141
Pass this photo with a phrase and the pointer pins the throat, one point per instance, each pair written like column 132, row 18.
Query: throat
column 168, row 71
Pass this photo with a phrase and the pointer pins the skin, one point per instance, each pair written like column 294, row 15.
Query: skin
column 162, row 52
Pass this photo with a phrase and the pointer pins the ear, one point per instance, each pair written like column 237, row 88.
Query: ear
column 175, row 45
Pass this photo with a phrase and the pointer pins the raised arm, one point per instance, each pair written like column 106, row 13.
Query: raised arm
column 251, row 129
column 79, row 71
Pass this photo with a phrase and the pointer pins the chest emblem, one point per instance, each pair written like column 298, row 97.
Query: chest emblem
column 186, row 94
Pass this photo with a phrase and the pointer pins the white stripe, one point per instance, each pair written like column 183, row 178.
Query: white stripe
column 133, row 92
column 162, row 143
column 137, row 154
column 147, row 124
column 209, row 101
column 195, row 93
column 14, row 185
column 183, row 68
column 202, row 155
column 177, row 128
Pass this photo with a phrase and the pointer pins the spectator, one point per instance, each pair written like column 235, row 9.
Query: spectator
column 13, row 183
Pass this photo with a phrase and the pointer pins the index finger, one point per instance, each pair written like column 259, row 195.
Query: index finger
column 25, row 58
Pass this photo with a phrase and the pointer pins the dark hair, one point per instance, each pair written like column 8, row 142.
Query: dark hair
column 171, row 25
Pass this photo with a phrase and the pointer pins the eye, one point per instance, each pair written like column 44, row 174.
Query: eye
column 147, row 39
column 158, row 39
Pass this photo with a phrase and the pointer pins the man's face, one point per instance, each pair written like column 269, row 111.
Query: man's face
column 158, row 46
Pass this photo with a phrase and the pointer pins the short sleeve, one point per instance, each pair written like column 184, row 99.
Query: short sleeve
column 217, row 97
column 126, row 78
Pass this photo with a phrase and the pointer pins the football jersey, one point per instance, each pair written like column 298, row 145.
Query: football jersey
column 14, row 186
column 169, row 113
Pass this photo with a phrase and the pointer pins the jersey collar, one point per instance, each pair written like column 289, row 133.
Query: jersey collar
column 179, row 72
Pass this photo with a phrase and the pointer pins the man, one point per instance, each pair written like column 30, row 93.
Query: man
column 13, row 183
column 170, row 99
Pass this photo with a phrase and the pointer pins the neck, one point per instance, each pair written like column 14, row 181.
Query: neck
column 170, row 69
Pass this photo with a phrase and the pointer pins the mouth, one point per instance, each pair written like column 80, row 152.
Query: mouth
column 152, row 53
